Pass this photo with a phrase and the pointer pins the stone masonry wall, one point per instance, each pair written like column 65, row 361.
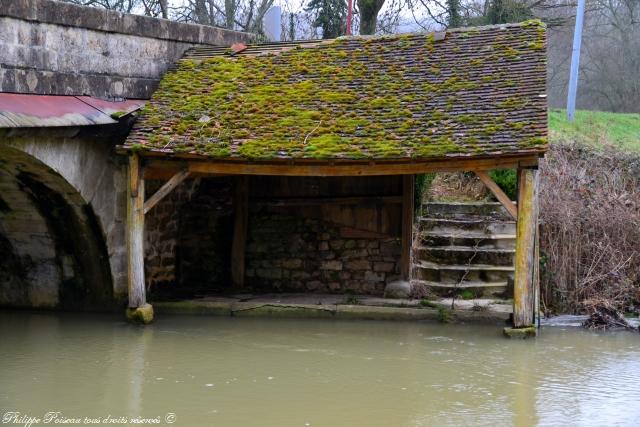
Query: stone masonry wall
column 188, row 239
column 57, row 48
column 188, row 243
column 290, row 253
column 161, row 233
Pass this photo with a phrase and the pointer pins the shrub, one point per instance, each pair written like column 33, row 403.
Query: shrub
column 507, row 180
column 423, row 182
column 590, row 227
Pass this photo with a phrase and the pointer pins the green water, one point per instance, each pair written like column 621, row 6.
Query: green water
column 266, row 372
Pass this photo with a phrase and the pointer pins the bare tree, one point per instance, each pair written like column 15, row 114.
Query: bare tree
column 610, row 62
column 243, row 15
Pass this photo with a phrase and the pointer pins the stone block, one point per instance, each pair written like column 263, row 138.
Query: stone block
column 314, row 285
column 142, row 314
column 398, row 289
column 385, row 267
column 358, row 264
column 371, row 276
column 331, row 265
column 390, row 248
column 336, row 244
column 520, row 333
column 269, row 273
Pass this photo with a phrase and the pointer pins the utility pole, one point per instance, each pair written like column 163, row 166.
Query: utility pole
column 349, row 16
column 575, row 62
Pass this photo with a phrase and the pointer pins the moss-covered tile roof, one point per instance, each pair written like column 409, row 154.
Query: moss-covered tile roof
column 467, row 92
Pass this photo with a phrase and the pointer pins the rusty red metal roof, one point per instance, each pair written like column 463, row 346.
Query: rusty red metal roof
column 26, row 111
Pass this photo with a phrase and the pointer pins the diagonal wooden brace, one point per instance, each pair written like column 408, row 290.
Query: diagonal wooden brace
column 165, row 190
column 500, row 195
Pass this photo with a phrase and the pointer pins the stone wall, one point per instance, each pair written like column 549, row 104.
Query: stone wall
column 292, row 253
column 188, row 239
column 188, row 243
column 161, row 233
column 52, row 47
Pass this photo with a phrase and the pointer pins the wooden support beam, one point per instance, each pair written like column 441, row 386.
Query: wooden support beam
column 339, row 168
column 319, row 201
column 526, row 260
column 241, row 220
column 408, row 187
column 167, row 188
column 500, row 195
column 135, row 233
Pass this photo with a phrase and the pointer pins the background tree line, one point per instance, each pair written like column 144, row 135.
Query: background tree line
column 610, row 63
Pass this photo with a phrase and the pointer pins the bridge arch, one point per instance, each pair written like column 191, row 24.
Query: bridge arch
column 53, row 251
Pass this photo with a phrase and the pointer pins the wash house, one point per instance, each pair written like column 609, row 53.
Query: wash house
column 315, row 146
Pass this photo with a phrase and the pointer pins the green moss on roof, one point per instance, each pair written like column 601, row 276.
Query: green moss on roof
column 388, row 97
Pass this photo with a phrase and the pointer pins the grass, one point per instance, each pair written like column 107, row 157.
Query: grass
column 596, row 129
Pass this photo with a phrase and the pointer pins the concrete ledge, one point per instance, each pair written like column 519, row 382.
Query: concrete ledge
column 282, row 310
column 232, row 307
column 520, row 333
column 210, row 308
column 385, row 313
column 94, row 18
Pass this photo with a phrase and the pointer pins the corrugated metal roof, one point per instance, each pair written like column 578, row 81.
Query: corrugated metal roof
column 27, row 111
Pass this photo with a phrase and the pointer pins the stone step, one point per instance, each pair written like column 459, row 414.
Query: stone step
column 444, row 273
column 455, row 209
column 463, row 255
column 468, row 238
column 483, row 225
column 479, row 289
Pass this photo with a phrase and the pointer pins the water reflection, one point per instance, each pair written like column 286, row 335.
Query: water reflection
column 220, row 371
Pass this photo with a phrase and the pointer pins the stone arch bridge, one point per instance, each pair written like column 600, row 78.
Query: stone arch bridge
column 71, row 77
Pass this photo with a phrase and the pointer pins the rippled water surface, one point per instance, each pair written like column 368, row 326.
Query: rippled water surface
column 267, row 372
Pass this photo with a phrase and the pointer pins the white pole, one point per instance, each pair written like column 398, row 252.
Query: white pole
column 575, row 62
column 271, row 23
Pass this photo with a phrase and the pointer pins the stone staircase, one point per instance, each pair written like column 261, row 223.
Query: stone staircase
column 465, row 249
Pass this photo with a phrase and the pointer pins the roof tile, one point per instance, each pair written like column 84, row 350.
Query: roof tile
column 467, row 92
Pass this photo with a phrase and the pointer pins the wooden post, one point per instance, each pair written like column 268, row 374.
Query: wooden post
column 408, row 186
column 241, row 219
column 526, row 260
column 135, row 233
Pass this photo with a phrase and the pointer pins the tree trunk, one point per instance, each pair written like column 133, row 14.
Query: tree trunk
column 230, row 13
column 369, row 15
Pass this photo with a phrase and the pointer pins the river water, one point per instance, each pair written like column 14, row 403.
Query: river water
column 207, row 371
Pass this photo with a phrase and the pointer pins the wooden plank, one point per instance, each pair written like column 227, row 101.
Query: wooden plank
column 135, row 234
column 318, row 201
column 167, row 188
column 158, row 167
column 526, row 236
column 241, row 220
column 330, row 168
column 500, row 195
column 408, row 188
